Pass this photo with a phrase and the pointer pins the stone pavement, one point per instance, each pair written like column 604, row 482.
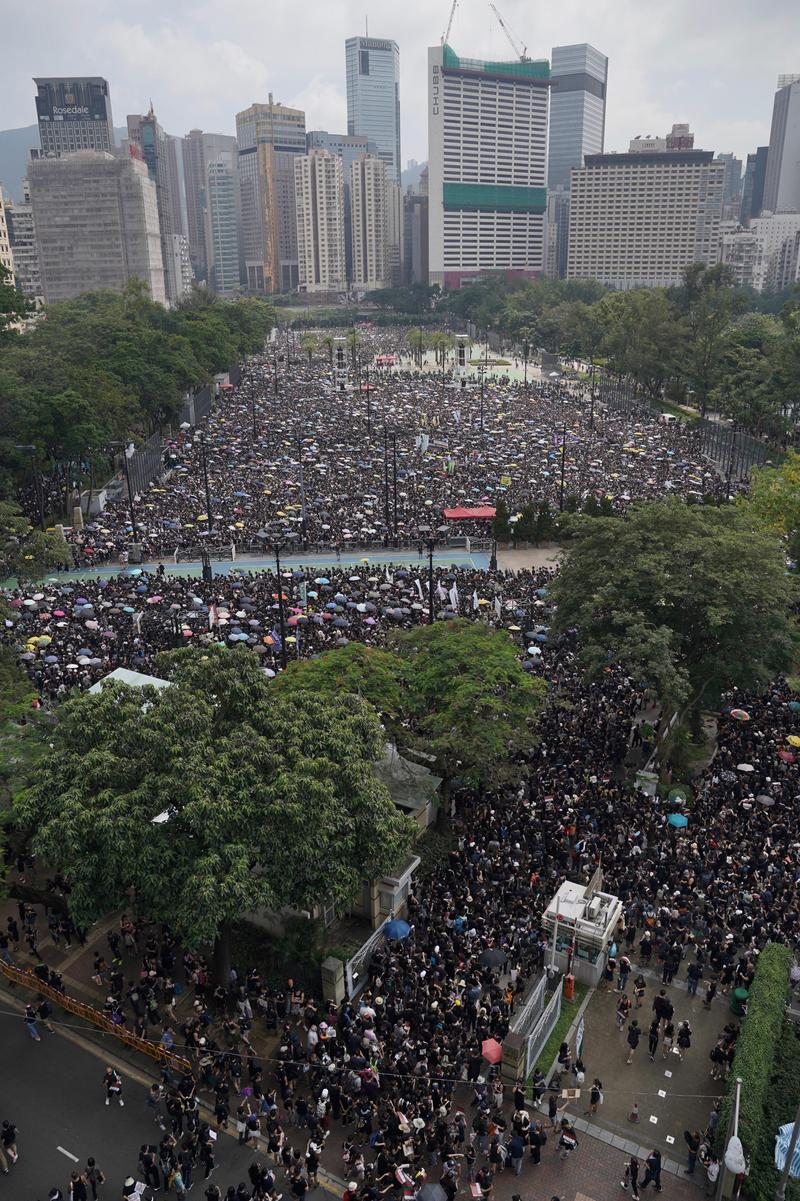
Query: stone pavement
column 672, row 1094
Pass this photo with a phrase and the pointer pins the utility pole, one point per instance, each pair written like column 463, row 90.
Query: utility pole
column 591, row 409
column 394, row 478
column 430, row 579
column 278, row 548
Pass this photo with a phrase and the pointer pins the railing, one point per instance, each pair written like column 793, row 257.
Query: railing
column 530, row 1011
column 543, row 1028
column 96, row 1017
column 734, row 452
column 355, row 970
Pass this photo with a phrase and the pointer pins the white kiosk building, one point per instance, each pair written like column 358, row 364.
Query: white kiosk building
column 581, row 923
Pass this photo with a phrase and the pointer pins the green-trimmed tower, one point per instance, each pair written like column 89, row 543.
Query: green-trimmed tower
column 487, row 166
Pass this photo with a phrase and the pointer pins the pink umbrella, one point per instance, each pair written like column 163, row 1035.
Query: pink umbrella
column 153, row 600
column 92, row 625
column 492, row 1050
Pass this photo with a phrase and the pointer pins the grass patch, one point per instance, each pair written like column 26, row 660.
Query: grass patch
column 490, row 362
column 559, row 1032
column 794, row 683
column 666, row 407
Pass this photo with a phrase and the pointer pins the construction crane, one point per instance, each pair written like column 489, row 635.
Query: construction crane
column 446, row 34
column 521, row 55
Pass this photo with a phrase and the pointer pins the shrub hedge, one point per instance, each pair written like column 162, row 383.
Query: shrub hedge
column 759, row 1048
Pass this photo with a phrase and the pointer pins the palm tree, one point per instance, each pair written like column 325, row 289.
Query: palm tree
column 418, row 342
column 327, row 341
column 309, row 345
column 353, row 340
column 442, row 342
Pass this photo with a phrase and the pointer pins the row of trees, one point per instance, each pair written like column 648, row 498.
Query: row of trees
column 109, row 366
column 702, row 342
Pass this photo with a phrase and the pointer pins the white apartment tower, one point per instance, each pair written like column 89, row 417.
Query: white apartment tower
column 369, row 218
column 766, row 255
column 319, row 198
column 487, row 166
column 6, row 257
column 637, row 219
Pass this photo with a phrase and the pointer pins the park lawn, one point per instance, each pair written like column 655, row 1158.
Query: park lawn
column 559, row 1033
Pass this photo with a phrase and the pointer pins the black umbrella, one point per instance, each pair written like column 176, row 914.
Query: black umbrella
column 493, row 958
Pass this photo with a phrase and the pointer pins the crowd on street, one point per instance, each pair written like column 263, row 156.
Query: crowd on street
column 400, row 1074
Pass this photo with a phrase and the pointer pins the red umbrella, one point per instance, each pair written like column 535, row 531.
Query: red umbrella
column 492, row 1050
column 787, row 756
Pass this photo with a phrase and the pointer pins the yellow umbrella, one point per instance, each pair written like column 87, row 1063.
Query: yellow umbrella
column 793, row 740
column 239, row 525
column 291, row 638
column 483, row 602
column 201, row 517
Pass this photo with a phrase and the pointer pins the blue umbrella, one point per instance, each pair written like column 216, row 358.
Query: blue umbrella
column 794, row 706
column 320, row 579
column 782, row 1140
column 397, row 929
column 678, row 820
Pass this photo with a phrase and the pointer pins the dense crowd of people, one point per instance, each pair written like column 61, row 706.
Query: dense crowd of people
column 322, row 462
column 401, row 1070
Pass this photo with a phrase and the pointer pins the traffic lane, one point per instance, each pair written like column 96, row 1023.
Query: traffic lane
column 53, row 1092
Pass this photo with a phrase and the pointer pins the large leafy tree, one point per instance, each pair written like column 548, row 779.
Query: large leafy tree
column 710, row 303
column 359, row 670
column 468, row 700
column 13, row 305
column 774, row 499
column 641, row 335
column 690, row 599
column 264, row 799
column 25, row 552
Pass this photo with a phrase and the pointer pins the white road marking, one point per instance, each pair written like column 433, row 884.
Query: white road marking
column 670, row 1139
column 653, row 1119
column 661, row 1093
column 68, row 1154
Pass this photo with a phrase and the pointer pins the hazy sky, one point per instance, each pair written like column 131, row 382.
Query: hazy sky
column 713, row 63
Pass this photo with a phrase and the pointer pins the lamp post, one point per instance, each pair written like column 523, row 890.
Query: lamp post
column 563, row 465
column 386, row 518
column 302, row 490
column 277, row 541
column 526, row 350
column 369, row 410
column 126, row 469
column 591, row 408
column 275, row 366
column 493, row 556
column 204, row 465
column 29, row 449
column 253, row 404
column 428, row 536
column 205, row 559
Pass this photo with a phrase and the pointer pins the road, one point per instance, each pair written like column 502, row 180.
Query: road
column 52, row 1092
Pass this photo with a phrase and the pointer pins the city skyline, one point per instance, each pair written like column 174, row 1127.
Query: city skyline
column 699, row 64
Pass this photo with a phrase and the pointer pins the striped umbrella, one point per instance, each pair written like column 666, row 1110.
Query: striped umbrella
column 782, row 1140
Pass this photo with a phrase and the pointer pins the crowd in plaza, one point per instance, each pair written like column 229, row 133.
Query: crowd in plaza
column 375, row 462
column 402, row 1070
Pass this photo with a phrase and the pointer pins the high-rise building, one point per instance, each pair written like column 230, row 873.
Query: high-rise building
column 637, row 219
column 557, row 231
column 373, row 96
column 96, row 218
column 349, row 147
column 319, row 198
column 782, row 181
column 369, row 202
column 22, row 236
column 177, row 187
column 6, row 256
column 270, row 137
column 579, row 75
column 753, row 185
column 766, row 255
column 199, row 149
column 148, row 139
column 487, row 163
column 732, row 187
column 74, row 114
column 222, row 223
column 415, row 237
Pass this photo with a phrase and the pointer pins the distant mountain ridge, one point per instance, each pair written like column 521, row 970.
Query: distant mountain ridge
column 14, row 147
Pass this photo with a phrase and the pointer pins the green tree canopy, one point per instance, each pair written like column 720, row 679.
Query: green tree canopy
column 269, row 800
column 774, row 499
column 357, row 670
column 690, row 599
column 25, row 552
column 468, row 700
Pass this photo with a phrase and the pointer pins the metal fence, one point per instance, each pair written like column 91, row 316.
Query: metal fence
column 356, row 970
column 147, row 463
column 543, row 1028
column 734, row 452
column 527, row 1015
